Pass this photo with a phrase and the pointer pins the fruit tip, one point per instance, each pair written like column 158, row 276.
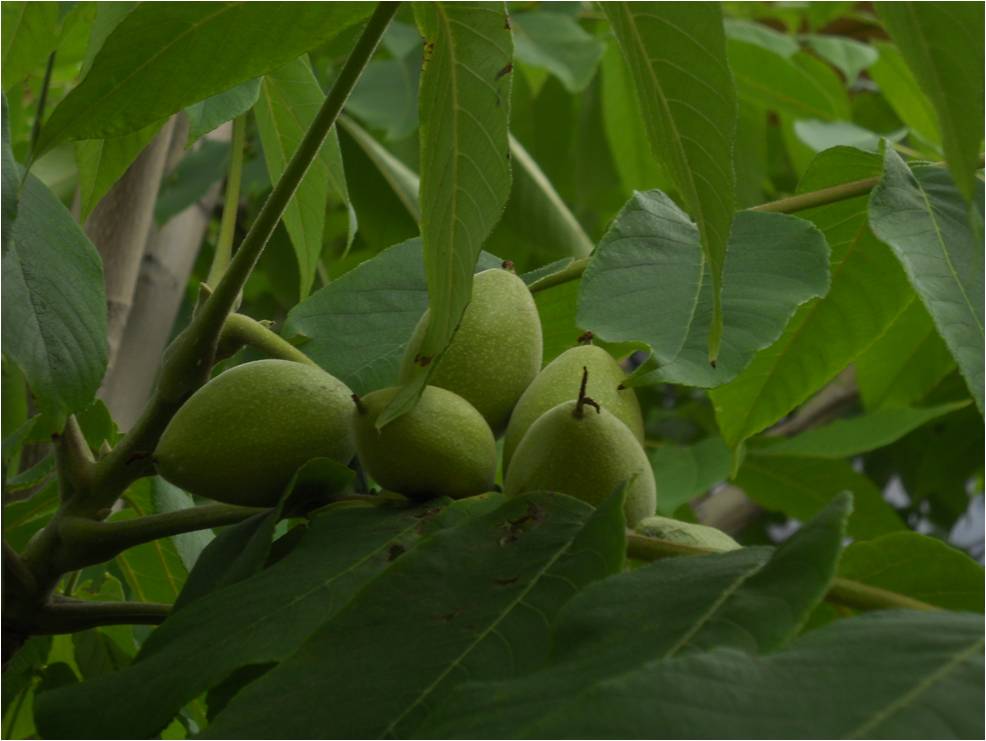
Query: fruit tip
column 360, row 406
column 585, row 338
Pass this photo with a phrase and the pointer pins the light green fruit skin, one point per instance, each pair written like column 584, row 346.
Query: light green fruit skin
column 442, row 447
column 586, row 458
column 686, row 533
column 560, row 381
column 496, row 352
column 240, row 438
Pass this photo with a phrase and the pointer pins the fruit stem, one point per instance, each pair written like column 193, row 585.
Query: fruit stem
column 585, row 338
column 72, row 616
column 360, row 406
column 583, row 399
column 239, row 330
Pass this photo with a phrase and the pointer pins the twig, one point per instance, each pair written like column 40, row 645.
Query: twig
column 227, row 226
column 42, row 101
column 72, row 616
column 239, row 330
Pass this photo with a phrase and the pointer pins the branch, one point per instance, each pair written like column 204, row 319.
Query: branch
column 72, row 616
column 239, row 330
column 85, row 541
column 231, row 204
column 841, row 591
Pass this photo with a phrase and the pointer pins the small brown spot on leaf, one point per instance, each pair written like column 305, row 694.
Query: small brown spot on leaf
column 505, row 71
column 395, row 551
column 507, row 581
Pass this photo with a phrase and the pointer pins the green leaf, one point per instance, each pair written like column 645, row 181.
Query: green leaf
column 921, row 215
column 943, row 47
column 557, row 307
column 465, row 170
column 799, row 85
column 209, row 114
column 646, row 617
column 30, row 34
column 905, row 364
column 762, row 35
column 97, row 654
column 167, row 497
column 849, row 680
column 152, row 572
column 802, row 487
column 162, row 58
column 683, row 472
column 102, row 162
column 22, row 519
column 557, row 43
column 903, row 94
column 822, row 135
column 358, row 325
column 289, row 99
column 11, row 181
column 847, row 55
column 868, row 292
column 643, row 281
column 263, row 618
column 484, row 596
column 387, row 94
column 189, row 182
column 54, row 302
column 919, row 566
column 848, row 437
column 690, row 113
column 774, row 264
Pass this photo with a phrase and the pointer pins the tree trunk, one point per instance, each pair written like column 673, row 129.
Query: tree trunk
column 164, row 272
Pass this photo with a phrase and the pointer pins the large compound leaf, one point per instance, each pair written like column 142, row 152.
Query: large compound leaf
column 943, row 45
column 894, row 674
column 54, row 303
column 869, row 290
column 690, row 112
column 744, row 600
column 802, row 487
column 919, row 566
column 257, row 620
column 163, row 57
column 30, row 34
column 643, row 281
column 905, row 364
column 357, row 326
column 290, row 96
column 470, row 601
column 845, row 438
column 465, row 167
column 774, row 264
column 923, row 218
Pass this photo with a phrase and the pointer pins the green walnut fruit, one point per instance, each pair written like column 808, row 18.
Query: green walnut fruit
column 240, row 438
column 442, row 447
column 559, row 381
column 686, row 533
column 496, row 352
column 584, row 452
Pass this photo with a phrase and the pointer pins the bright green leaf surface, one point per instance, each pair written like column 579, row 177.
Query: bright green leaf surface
column 163, row 57
column 289, row 99
column 849, row 437
column 905, row 364
column 557, row 43
column 919, row 566
column 923, row 218
column 902, row 92
column 102, row 162
column 942, row 44
column 30, row 34
column 868, row 292
column 690, row 114
column 643, row 281
column 762, row 35
column 683, row 472
column 209, row 114
column 54, row 303
column 847, row 55
column 775, row 263
column 801, row 487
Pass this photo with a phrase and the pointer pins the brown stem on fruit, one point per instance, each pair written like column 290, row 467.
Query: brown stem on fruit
column 583, row 399
column 508, row 265
column 360, row 406
column 585, row 338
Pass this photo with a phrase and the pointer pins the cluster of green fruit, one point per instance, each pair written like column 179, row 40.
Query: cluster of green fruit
column 569, row 428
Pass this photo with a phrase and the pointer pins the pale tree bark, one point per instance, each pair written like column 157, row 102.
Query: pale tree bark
column 164, row 272
column 119, row 226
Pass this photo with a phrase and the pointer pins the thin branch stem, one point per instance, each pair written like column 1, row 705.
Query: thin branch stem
column 841, row 591
column 42, row 102
column 72, row 616
column 85, row 541
column 823, row 197
column 239, row 330
column 231, row 204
